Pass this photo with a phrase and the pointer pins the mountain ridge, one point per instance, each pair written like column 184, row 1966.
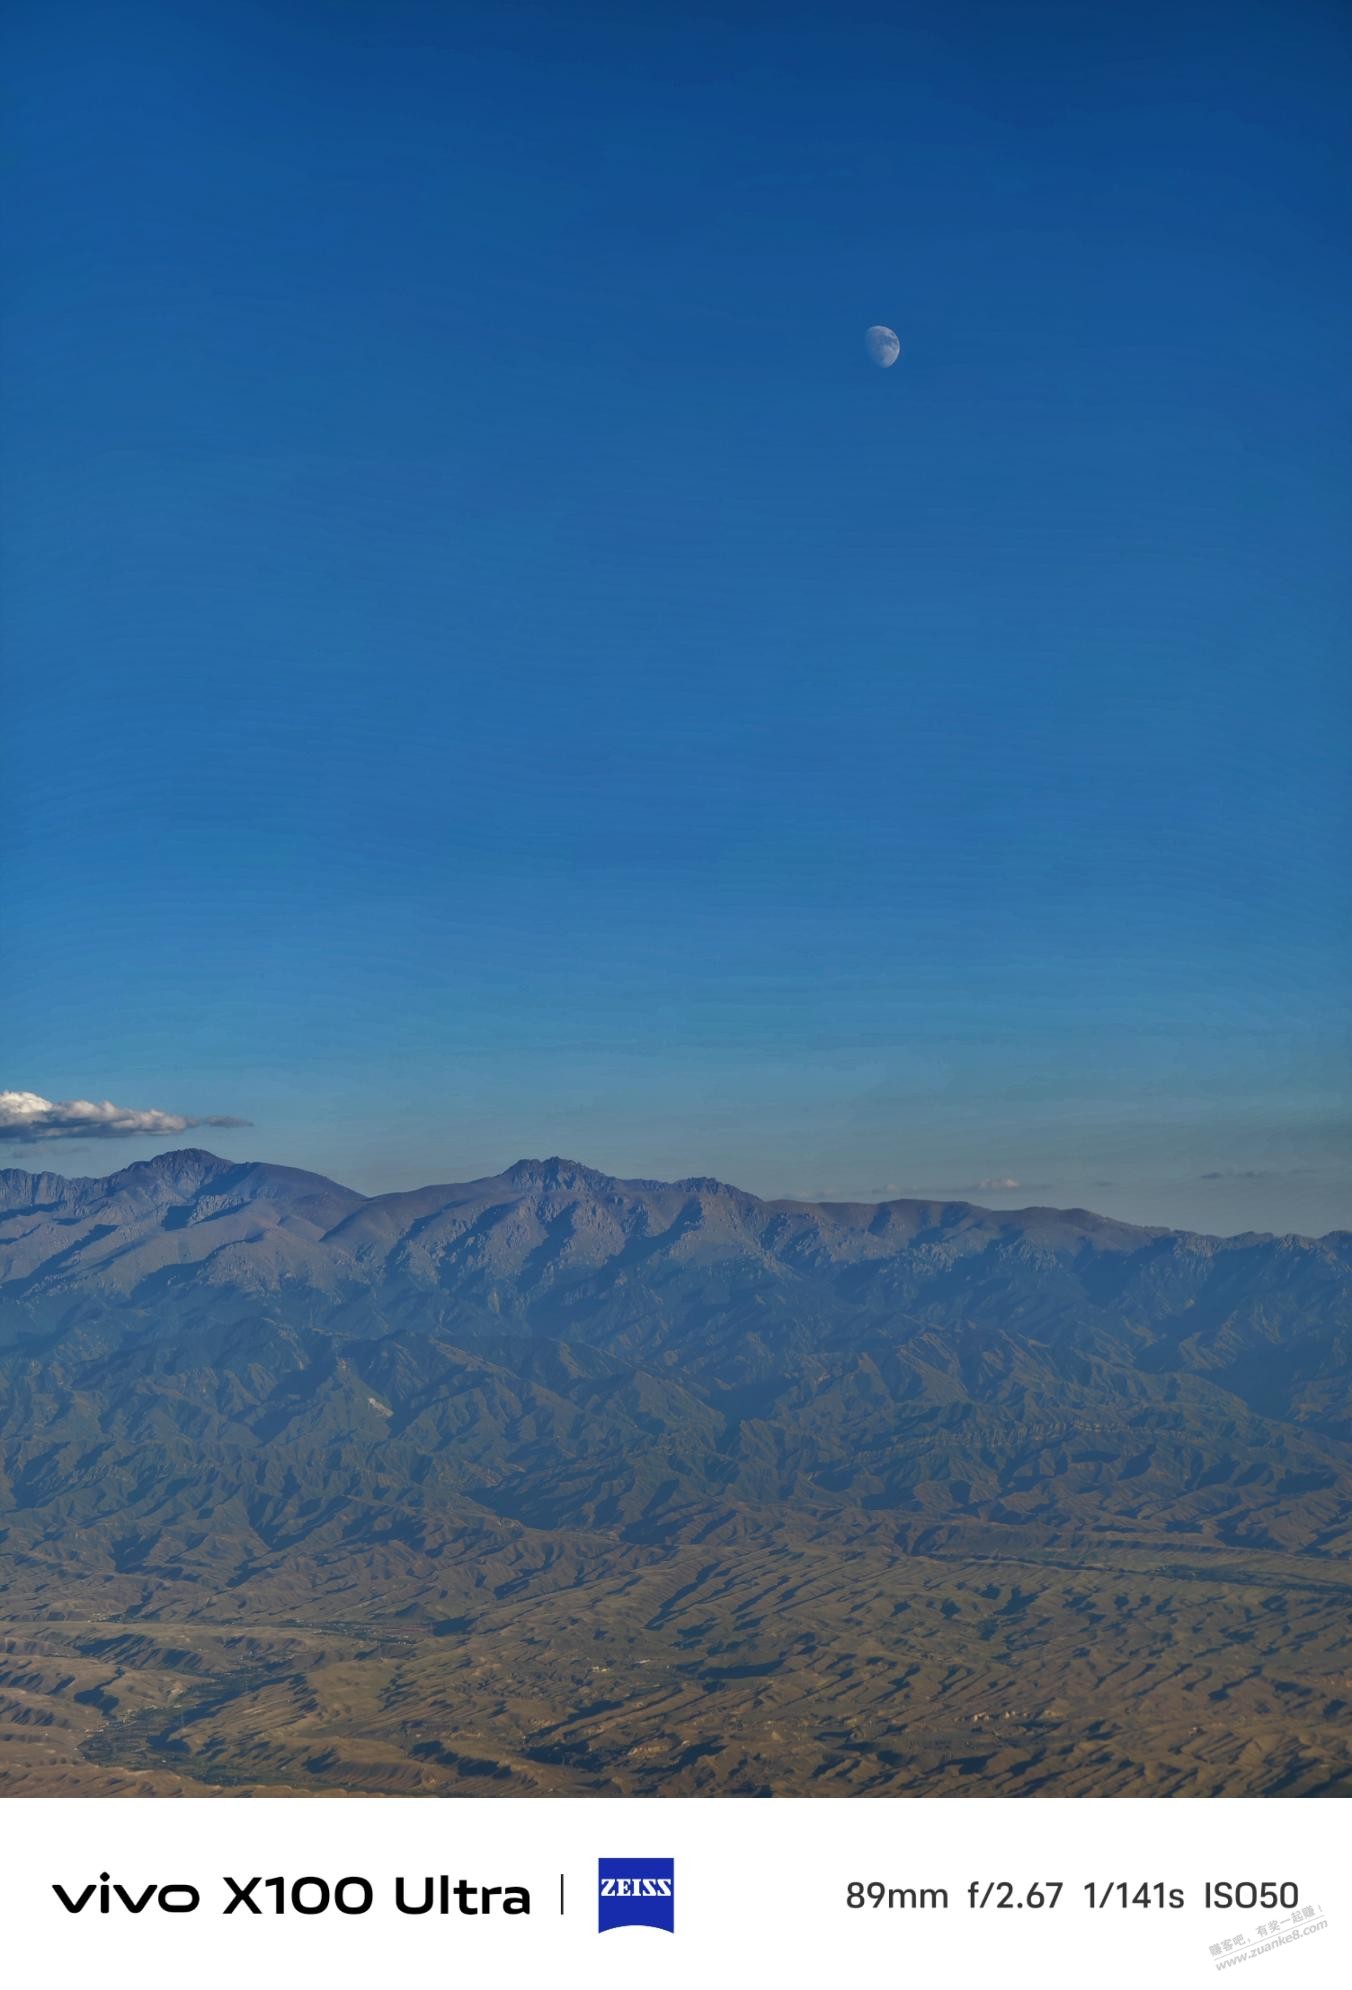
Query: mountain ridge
column 188, row 1218
column 552, row 1169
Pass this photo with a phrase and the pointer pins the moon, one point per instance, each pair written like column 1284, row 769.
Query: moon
column 883, row 345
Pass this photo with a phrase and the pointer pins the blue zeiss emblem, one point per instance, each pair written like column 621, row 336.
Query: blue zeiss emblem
column 638, row 1893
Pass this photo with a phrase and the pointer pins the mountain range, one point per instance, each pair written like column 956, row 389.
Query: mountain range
column 243, row 1402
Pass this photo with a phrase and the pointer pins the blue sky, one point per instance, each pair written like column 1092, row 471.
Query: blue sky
column 493, row 669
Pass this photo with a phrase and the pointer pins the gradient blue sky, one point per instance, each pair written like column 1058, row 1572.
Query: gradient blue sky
column 492, row 669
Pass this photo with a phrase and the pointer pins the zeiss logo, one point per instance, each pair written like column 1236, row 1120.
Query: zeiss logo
column 637, row 1893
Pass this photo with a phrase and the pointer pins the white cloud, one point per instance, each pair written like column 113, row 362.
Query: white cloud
column 26, row 1116
column 926, row 1191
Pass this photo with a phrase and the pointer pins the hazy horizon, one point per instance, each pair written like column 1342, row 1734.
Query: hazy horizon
column 103, row 1159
